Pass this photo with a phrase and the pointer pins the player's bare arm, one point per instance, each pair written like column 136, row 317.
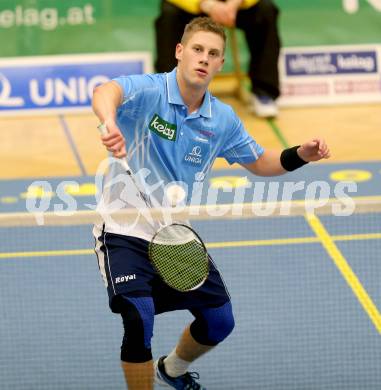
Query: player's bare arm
column 274, row 163
column 106, row 99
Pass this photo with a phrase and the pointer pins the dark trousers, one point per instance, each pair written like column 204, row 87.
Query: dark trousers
column 259, row 24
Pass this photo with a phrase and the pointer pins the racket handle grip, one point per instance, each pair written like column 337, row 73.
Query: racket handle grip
column 104, row 131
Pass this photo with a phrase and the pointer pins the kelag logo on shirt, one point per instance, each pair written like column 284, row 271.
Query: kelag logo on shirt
column 163, row 128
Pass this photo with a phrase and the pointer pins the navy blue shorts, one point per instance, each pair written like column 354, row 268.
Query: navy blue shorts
column 126, row 269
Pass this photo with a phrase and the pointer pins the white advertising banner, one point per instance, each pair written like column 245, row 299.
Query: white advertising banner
column 61, row 83
column 323, row 75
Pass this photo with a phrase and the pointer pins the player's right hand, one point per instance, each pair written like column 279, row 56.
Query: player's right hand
column 114, row 140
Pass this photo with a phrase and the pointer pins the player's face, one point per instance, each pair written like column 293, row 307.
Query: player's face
column 200, row 58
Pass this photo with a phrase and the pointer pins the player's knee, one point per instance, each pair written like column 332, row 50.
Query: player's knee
column 138, row 318
column 213, row 325
column 222, row 323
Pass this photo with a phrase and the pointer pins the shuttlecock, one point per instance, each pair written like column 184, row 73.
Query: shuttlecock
column 175, row 194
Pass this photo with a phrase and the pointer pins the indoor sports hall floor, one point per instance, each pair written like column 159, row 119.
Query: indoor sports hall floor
column 306, row 293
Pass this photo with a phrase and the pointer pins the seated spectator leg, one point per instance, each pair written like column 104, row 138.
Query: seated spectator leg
column 169, row 28
column 238, row 74
column 259, row 24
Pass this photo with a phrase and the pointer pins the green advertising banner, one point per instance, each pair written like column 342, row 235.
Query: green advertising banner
column 43, row 27
column 330, row 22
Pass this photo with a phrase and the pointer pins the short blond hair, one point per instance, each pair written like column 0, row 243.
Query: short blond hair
column 203, row 23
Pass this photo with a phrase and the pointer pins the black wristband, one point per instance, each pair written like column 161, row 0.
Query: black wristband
column 290, row 159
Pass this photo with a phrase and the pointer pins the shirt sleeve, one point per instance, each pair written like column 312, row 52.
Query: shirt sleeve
column 248, row 3
column 240, row 147
column 131, row 85
column 139, row 92
column 193, row 6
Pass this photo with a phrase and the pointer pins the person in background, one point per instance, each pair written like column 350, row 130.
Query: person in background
column 256, row 18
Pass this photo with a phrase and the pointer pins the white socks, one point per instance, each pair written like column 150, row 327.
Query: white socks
column 174, row 366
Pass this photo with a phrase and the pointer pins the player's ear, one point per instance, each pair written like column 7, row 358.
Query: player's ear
column 179, row 51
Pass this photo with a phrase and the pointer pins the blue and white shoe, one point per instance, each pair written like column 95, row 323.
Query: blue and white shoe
column 182, row 382
column 264, row 106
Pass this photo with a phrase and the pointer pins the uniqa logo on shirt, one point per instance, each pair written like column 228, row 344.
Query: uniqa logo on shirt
column 163, row 128
column 195, row 154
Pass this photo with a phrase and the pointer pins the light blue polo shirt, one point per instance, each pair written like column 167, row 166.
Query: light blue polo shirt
column 171, row 143
column 166, row 144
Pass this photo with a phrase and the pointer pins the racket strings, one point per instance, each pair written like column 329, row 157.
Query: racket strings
column 182, row 263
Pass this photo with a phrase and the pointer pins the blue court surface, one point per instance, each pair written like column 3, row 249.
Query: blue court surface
column 306, row 295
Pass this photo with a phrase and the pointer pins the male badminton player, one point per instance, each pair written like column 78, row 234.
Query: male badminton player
column 171, row 129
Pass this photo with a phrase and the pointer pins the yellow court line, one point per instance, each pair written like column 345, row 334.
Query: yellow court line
column 210, row 245
column 224, row 244
column 277, row 241
column 354, row 237
column 294, row 240
column 68, row 252
column 350, row 277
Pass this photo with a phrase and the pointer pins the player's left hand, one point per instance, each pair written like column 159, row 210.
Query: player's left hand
column 314, row 150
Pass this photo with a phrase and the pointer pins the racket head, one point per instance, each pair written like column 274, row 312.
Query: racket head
column 179, row 256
